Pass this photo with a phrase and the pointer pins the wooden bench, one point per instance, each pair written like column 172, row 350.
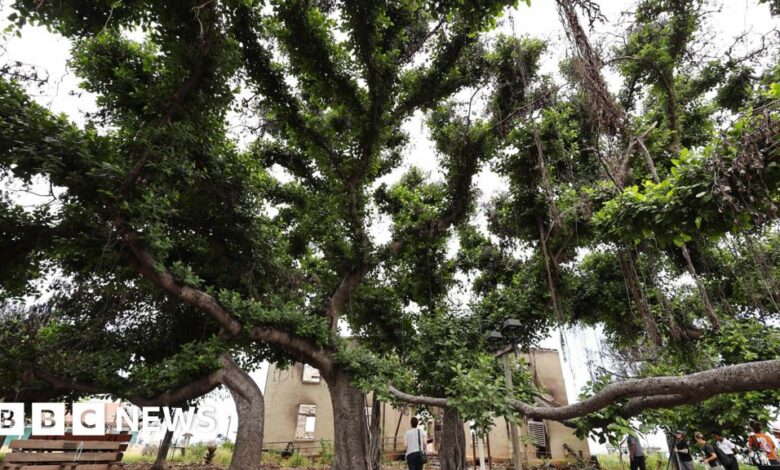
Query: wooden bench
column 67, row 453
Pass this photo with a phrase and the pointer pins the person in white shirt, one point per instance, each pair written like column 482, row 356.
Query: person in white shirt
column 415, row 440
column 726, row 451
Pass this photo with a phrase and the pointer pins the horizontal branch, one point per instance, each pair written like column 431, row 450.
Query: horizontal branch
column 417, row 399
column 697, row 387
column 178, row 396
column 148, row 267
column 648, row 393
column 302, row 349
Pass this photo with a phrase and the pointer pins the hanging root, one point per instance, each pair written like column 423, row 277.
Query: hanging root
column 629, row 272
column 702, row 289
column 602, row 108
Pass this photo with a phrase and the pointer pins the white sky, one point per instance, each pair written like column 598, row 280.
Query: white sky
column 50, row 52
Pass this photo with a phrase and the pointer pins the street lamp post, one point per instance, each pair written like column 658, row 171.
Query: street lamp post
column 510, row 327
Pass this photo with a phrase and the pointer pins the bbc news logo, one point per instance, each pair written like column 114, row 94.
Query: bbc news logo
column 89, row 419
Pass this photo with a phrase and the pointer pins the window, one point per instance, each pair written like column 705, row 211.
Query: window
column 311, row 375
column 537, row 433
column 307, row 418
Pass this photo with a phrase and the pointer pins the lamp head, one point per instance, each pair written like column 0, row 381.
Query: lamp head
column 512, row 327
column 495, row 339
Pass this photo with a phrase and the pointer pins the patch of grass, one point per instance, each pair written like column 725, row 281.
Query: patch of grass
column 612, row 462
column 298, row 460
column 272, row 457
column 653, row 461
column 194, row 455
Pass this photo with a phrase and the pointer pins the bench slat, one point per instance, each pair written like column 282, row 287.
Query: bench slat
column 70, row 437
column 100, row 466
column 38, row 444
column 41, row 467
column 65, row 457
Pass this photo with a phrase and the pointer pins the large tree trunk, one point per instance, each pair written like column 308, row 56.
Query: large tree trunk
column 375, row 431
column 350, row 433
column 250, row 407
column 162, row 452
column 453, row 441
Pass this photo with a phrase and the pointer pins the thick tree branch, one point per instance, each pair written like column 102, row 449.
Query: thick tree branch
column 349, row 284
column 61, row 383
column 303, row 350
column 149, row 268
column 652, row 392
column 417, row 399
column 225, row 375
column 698, row 387
column 637, row 405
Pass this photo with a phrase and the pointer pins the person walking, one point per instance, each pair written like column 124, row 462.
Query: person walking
column 415, row 440
column 726, row 451
column 682, row 451
column 636, row 454
column 710, row 457
column 760, row 441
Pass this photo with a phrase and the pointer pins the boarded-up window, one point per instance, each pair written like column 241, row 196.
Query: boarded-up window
column 311, row 375
column 537, row 433
column 307, row 418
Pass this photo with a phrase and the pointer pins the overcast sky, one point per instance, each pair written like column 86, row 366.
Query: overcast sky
column 50, row 52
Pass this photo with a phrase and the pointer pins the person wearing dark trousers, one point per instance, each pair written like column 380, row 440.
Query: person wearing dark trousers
column 710, row 457
column 682, row 451
column 415, row 440
column 636, row 454
column 726, row 451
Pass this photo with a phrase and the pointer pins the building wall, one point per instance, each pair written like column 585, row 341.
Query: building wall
column 285, row 391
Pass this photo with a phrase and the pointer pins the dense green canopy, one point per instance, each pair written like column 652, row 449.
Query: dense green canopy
column 651, row 214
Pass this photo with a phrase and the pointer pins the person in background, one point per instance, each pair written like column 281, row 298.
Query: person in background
column 726, row 451
column 636, row 455
column 683, row 451
column 710, row 457
column 762, row 442
column 415, row 440
column 775, row 435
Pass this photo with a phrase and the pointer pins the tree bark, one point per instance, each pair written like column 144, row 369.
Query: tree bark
column 162, row 452
column 375, row 431
column 350, row 433
column 453, row 441
column 646, row 393
column 250, row 407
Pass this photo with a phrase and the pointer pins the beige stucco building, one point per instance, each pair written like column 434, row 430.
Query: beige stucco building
column 298, row 411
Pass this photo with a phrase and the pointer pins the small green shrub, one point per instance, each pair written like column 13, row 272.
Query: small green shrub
column 228, row 445
column 326, row 452
column 298, row 460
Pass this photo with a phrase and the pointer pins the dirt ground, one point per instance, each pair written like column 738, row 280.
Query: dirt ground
column 174, row 466
column 181, row 466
